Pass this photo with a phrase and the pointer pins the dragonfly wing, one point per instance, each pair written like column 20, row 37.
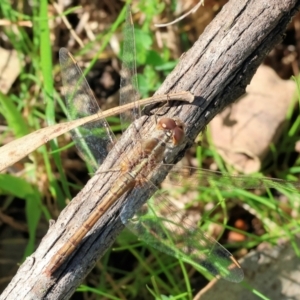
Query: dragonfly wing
column 160, row 225
column 202, row 178
column 129, row 85
column 94, row 140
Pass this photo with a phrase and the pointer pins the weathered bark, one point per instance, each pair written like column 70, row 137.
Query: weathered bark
column 216, row 70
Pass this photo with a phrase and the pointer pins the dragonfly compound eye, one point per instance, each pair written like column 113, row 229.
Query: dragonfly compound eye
column 178, row 135
column 166, row 124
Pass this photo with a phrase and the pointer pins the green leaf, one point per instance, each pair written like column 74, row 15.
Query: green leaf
column 153, row 58
column 13, row 117
column 143, row 43
column 20, row 188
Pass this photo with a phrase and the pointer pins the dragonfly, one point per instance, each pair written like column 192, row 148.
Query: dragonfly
column 158, row 223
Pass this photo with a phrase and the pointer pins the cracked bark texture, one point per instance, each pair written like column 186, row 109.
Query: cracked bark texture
column 216, row 70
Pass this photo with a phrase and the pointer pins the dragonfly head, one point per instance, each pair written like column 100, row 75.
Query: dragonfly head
column 173, row 127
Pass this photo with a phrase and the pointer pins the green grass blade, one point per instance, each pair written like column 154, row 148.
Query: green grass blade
column 48, row 90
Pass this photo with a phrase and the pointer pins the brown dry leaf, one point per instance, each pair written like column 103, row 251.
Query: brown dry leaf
column 10, row 69
column 17, row 149
column 244, row 131
column 297, row 146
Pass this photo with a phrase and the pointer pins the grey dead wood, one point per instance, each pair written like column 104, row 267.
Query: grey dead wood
column 274, row 271
column 216, row 70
